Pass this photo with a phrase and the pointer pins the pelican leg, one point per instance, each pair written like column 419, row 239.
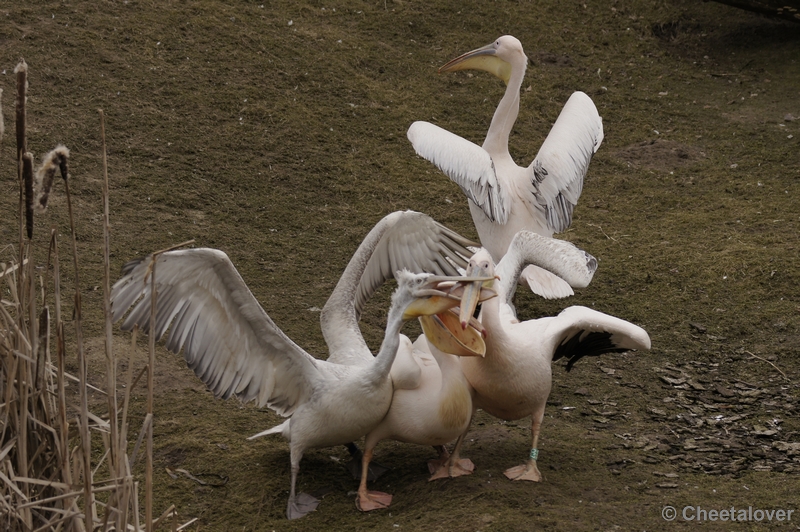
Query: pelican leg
column 529, row 470
column 304, row 503
column 451, row 465
column 370, row 500
column 439, row 462
column 376, row 470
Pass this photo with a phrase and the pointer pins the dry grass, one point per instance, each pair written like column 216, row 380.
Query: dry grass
column 53, row 477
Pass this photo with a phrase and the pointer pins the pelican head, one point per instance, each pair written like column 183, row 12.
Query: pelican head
column 481, row 266
column 425, row 294
column 430, row 299
column 497, row 58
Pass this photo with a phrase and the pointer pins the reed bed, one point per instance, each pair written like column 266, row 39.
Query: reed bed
column 50, row 476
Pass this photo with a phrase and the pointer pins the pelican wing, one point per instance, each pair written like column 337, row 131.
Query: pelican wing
column 228, row 339
column 466, row 164
column 581, row 331
column 559, row 257
column 401, row 240
column 557, row 172
column 412, row 241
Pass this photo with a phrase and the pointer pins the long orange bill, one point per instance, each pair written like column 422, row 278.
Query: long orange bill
column 472, row 295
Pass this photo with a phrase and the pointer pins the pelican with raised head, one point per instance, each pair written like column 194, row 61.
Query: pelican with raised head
column 513, row 380
column 505, row 198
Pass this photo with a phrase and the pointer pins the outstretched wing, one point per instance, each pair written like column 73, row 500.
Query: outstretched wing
column 559, row 257
column 556, row 174
column 228, row 339
column 466, row 164
column 401, row 240
column 581, row 331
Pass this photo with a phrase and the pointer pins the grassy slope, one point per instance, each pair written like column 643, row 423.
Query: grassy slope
column 282, row 144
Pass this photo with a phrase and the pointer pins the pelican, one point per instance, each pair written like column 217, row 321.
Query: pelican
column 435, row 410
column 514, row 379
column 439, row 408
column 401, row 240
column 505, row 198
column 236, row 349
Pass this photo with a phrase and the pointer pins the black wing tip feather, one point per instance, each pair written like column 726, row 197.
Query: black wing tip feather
column 590, row 345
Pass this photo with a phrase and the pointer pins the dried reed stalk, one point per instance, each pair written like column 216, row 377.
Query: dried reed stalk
column 2, row 123
column 64, row 455
column 111, row 363
column 86, row 438
column 148, row 490
column 27, row 179
column 48, row 481
column 21, row 71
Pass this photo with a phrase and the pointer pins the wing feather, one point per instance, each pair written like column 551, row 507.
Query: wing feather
column 466, row 164
column 175, row 341
column 580, row 331
column 558, row 171
column 227, row 338
column 402, row 240
column 559, row 257
column 412, row 241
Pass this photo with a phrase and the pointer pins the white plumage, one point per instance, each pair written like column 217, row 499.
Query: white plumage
column 439, row 408
column 401, row 240
column 236, row 349
column 514, row 379
column 434, row 411
column 505, row 198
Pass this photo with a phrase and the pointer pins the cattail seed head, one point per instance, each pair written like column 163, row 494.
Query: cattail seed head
column 55, row 160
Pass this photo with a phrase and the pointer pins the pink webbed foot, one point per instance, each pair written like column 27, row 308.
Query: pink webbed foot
column 373, row 500
column 301, row 505
column 438, row 463
column 526, row 471
column 459, row 468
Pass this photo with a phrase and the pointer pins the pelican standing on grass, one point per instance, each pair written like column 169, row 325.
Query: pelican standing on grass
column 513, row 380
column 505, row 198
column 439, row 409
column 236, row 349
column 431, row 403
column 434, row 408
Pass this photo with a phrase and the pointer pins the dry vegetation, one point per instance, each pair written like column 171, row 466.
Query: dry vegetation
column 50, row 478
column 276, row 132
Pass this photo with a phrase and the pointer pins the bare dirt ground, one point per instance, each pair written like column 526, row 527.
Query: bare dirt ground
column 276, row 132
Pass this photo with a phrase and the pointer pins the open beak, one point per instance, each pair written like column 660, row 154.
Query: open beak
column 441, row 293
column 472, row 293
column 443, row 332
column 440, row 324
column 484, row 58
